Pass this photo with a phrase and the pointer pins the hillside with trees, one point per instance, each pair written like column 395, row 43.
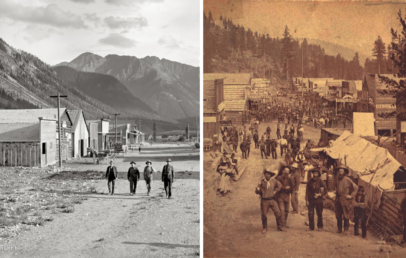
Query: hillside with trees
column 232, row 48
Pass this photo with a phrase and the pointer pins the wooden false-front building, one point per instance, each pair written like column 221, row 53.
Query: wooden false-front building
column 28, row 144
column 213, row 107
column 80, row 133
column 16, row 117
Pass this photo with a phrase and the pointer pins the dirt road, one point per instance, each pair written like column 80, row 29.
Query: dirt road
column 121, row 225
column 232, row 223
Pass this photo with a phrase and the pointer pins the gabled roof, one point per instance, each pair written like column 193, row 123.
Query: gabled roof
column 75, row 116
column 19, row 132
column 24, row 116
column 229, row 78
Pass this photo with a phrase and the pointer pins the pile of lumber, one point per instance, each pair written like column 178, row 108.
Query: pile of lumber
column 386, row 221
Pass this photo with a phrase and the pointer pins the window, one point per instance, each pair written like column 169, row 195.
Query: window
column 44, row 148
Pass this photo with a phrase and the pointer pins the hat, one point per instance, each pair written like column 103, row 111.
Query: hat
column 148, row 161
column 360, row 188
column 313, row 170
column 269, row 172
column 346, row 170
column 282, row 166
column 294, row 165
column 168, row 160
column 132, row 162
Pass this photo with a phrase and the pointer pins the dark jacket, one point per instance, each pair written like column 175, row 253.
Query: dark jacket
column 167, row 173
column 286, row 182
column 133, row 173
column 313, row 187
column 110, row 176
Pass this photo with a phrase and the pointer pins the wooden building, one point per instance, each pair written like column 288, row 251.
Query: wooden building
column 93, row 134
column 28, row 144
column 236, row 90
column 213, row 107
column 31, row 116
column 80, row 133
column 384, row 103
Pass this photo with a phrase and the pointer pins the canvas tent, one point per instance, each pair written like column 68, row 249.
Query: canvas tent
column 363, row 156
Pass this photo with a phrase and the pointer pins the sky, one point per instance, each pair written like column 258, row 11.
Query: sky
column 355, row 25
column 60, row 30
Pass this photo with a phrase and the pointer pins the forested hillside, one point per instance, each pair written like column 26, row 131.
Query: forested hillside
column 232, row 48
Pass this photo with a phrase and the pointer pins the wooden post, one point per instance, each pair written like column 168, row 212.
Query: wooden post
column 59, row 96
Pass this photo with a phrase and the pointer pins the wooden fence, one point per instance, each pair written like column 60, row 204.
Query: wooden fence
column 20, row 154
column 386, row 221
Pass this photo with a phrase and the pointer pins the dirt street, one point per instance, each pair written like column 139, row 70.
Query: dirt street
column 122, row 225
column 232, row 223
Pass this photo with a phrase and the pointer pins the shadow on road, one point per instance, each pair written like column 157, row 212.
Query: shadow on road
column 165, row 245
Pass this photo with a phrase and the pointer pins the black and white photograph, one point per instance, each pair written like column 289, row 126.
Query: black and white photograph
column 100, row 128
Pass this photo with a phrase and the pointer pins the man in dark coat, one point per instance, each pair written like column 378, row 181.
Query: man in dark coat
column 243, row 148
column 274, row 145
column 256, row 139
column 133, row 175
column 315, row 190
column 248, row 147
column 267, row 188
column 148, row 175
column 262, row 148
column 168, row 178
column 111, row 176
column 283, row 196
column 268, row 146
column 346, row 190
column 361, row 200
column 278, row 132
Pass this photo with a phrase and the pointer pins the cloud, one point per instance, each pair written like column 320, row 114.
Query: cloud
column 118, row 40
column 50, row 15
column 170, row 42
column 83, row 1
column 125, row 23
column 34, row 33
column 131, row 2
column 92, row 17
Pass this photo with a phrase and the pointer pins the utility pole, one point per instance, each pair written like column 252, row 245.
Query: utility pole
column 59, row 96
column 115, row 125
column 188, row 133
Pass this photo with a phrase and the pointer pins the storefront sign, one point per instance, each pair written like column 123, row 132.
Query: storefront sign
column 386, row 106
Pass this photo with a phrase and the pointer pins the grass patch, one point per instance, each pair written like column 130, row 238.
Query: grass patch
column 70, row 209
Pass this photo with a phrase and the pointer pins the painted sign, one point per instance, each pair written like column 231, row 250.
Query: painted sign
column 386, row 106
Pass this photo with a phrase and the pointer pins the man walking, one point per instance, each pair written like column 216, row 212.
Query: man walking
column 283, row 196
column 267, row 188
column 111, row 175
column 168, row 178
column 295, row 177
column 274, row 145
column 148, row 175
column 315, row 190
column 262, row 148
column 256, row 138
column 133, row 175
column 268, row 146
column 346, row 190
column 243, row 148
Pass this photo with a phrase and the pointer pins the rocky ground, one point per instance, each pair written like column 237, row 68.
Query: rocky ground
column 232, row 223
column 100, row 225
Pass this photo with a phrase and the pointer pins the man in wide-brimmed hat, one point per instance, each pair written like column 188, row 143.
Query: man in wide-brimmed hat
column 315, row 190
column 295, row 177
column 148, row 175
column 283, row 196
column 267, row 188
column 133, row 175
column 346, row 190
column 168, row 178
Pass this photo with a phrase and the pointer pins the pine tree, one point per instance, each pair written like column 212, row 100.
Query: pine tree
column 379, row 53
column 287, row 52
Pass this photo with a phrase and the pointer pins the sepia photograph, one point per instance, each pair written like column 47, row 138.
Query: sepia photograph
column 100, row 128
column 304, row 128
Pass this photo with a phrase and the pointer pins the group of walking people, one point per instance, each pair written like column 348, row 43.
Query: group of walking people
column 133, row 176
column 279, row 189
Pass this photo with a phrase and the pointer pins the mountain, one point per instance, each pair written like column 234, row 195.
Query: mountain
column 169, row 88
column 28, row 82
column 106, row 89
column 333, row 49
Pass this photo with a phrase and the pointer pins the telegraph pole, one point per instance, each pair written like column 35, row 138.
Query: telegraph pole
column 115, row 125
column 59, row 96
